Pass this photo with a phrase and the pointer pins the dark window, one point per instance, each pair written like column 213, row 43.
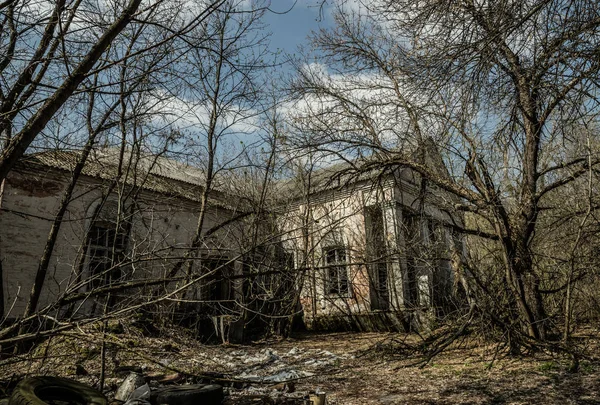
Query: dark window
column 411, row 237
column 336, row 279
column 106, row 250
column 218, row 283
column 377, row 256
column 381, row 277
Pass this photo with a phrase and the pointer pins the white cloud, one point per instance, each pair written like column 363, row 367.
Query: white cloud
column 195, row 116
column 355, row 109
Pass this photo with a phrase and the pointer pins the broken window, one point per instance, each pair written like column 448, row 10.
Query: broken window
column 336, row 273
column 107, row 242
column 217, row 281
column 377, row 257
column 106, row 251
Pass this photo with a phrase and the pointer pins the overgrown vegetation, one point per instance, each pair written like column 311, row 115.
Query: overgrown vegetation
column 133, row 116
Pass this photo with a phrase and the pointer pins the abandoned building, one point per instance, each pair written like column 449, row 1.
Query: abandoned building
column 378, row 250
column 137, row 227
column 362, row 254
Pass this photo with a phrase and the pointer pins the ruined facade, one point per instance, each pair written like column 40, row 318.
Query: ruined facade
column 370, row 252
column 137, row 228
column 376, row 252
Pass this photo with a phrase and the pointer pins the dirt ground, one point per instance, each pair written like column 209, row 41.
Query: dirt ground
column 351, row 368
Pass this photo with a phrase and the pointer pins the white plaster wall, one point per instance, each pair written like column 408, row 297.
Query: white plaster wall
column 344, row 210
column 162, row 229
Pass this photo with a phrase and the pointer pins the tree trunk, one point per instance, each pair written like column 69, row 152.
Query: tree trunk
column 1, row 268
column 21, row 141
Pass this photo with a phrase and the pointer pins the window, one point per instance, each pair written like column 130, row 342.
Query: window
column 218, row 283
column 106, row 249
column 272, row 271
column 381, row 278
column 411, row 237
column 376, row 256
column 336, row 278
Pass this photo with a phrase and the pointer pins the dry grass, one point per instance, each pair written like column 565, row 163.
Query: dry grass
column 368, row 368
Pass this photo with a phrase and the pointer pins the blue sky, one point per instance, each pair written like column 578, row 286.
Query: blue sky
column 290, row 29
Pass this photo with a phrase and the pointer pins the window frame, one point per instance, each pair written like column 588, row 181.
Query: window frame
column 341, row 285
column 106, row 246
column 377, row 255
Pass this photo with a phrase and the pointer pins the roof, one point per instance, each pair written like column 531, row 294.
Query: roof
column 151, row 172
column 328, row 178
column 167, row 176
column 346, row 173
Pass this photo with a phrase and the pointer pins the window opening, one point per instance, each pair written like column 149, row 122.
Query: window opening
column 336, row 272
column 107, row 247
column 411, row 238
column 377, row 257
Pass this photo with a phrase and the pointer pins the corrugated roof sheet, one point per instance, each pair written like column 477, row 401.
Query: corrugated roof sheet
column 151, row 172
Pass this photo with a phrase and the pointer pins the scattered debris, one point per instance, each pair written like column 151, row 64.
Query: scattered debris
column 129, row 386
column 263, row 376
column 353, row 369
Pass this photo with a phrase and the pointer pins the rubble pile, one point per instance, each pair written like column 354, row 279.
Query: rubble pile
column 265, row 376
column 275, row 374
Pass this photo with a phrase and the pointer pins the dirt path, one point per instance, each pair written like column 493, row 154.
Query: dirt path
column 365, row 373
column 351, row 368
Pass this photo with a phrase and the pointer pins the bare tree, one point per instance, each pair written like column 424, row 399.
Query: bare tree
column 498, row 87
column 173, row 84
column 43, row 65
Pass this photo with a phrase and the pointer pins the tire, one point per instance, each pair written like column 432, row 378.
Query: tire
column 45, row 390
column 200, row 394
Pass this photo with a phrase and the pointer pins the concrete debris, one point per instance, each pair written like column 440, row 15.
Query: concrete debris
column 265, row 375
column 129, row 386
